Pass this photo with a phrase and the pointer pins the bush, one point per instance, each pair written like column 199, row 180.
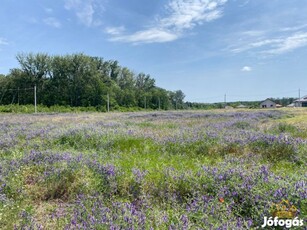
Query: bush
column 274, row 151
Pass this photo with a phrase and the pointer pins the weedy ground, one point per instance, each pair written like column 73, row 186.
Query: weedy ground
column 151, row 170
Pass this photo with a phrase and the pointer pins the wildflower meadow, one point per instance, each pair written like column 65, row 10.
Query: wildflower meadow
column 151, row 170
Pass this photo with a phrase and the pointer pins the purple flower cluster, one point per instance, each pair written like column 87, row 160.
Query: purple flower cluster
column 79, row 159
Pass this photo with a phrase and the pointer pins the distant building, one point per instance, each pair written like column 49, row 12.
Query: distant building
column 291, row 105
column 268, row 104
column 302, row 102
column 278, row 106
column 241, row 106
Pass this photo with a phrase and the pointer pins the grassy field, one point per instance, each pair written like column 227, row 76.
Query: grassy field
column 151, row 170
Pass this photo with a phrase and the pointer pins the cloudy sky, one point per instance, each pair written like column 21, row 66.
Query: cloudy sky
column 246, row 49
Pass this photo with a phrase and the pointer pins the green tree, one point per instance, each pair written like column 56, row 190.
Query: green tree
column 144, row 82
column 176, row 99
column 81, row 80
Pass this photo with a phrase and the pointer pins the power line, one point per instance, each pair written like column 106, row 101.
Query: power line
column 19, row 89
column 108, row 103
column 4, row 90
column 261, row 95
column 35, row 99
column 242, row 96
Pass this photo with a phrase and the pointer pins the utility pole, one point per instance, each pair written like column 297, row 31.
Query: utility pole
column 299, row 97
column 145, row 103
column 225, row 99
column 18, row 95
column 108, row 103
column 35, row 99
column 159, row 104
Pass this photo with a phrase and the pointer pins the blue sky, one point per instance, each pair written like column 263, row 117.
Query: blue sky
column 246, row 49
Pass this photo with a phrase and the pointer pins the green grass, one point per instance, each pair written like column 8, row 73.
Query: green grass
column 286, row 128
column 167, row 174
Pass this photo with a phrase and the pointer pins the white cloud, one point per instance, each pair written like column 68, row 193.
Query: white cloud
column 115, row 30
column 253, row 33
column 185, row 14
column 244, row 3
column 288, row 44
column 246, row 69
column 265, row 42
column 181, row 15
column 294, row 28
column 3, row 41
column 271, row 43
column 85, row 10
column 147, row 36
column 52, row 22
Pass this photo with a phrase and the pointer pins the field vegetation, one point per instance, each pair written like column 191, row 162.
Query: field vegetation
column 212, row 169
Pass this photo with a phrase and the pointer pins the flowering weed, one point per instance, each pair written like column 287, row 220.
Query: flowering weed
column 159, row 170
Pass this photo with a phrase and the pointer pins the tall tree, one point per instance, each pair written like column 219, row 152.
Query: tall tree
column 144, row 82
column 81, row 80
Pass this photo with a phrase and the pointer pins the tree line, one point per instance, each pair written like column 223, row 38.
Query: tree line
column 79, row 80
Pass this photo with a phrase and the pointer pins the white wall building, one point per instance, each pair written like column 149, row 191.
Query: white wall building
column 302, row 102
column 267, row 104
